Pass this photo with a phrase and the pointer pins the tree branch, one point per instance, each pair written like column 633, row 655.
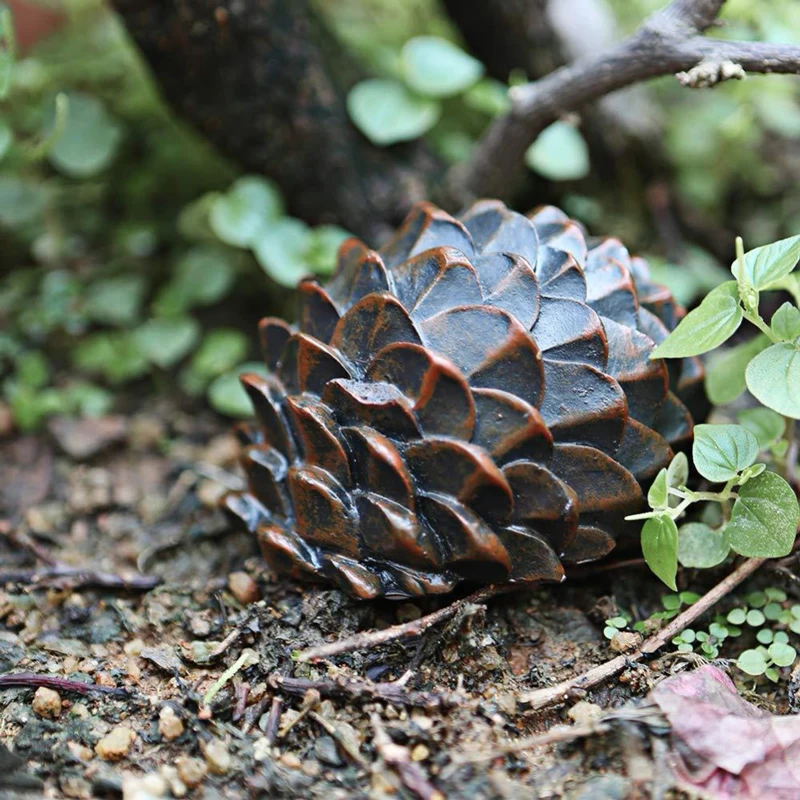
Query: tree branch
column 669, row 41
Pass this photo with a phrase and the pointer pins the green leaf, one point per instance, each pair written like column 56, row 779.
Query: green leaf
column 708, row 326
column 201, row 276
column 435, row 67
column 764, row 423
column 782, row 655
column 21, row 201
column 764, row 636
column 386, row 112
column 752, row 662
column 325, row 242
column 488, row 96
column 748, row 473
column 237, row 216
column 116, row 301
column 737, row 616
column 559, row 153
column 116, row 356
column 90, row 138
column 678, row 471
column 226, row 394
column 764, row 518
column 755, row 618
column 721, row 451
column 770, row 263
column 281, row 248
column 781, row 636
column 701, row 547
column 660, row 548
column 773, row 611
column 786, row 322
column 219, row 352
column 725, row 379
column 773, row 378
column 6, row 139
column 657, row 496
column 164, row 342
column 8, row 50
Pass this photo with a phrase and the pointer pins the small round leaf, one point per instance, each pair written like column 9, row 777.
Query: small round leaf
column 752, row 662
column 386, row 112
column 435, row 67
column 773, row 378
column 559, row 153
column 701, row 547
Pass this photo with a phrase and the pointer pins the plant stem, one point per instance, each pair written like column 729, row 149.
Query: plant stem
column 757, row 320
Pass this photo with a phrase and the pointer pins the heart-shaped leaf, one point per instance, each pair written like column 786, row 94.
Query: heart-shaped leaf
column 700, row 546
column 721, row 451
column 435, row 67
column 387, row 112
column 764, row 518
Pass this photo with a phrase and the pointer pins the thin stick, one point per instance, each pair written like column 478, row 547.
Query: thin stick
column 542, row 698
column 363, row 641
column 30, row 680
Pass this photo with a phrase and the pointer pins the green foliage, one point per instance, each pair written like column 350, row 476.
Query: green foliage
column 660, row 547
column 760, row 512
column 386, row 111
column 711, row 324
column 435, row 67
column 89, row 140
column 559, row 153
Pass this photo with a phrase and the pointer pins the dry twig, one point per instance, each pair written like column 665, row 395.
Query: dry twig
column 361, row 689
column 542, row 698
column 363, row 641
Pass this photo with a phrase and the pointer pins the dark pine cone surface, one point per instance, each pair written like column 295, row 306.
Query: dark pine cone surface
column 473, row 402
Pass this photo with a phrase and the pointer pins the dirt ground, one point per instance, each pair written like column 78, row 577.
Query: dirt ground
column 195, row 690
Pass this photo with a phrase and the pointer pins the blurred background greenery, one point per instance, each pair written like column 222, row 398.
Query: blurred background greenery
column 136, row 260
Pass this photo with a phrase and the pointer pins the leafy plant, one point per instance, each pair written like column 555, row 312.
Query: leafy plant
column 760, row 511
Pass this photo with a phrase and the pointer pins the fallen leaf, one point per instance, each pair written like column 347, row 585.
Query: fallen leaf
column 724, row 745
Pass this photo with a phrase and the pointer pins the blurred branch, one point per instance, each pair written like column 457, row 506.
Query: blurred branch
column 669, row 41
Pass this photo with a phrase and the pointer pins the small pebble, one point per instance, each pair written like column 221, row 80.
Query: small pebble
column 291, row 761
column 217, row 756
column 209, row 493
column 191, row 771
column 326, row 751
column 169, row 723
column 80, row 751
column 47, row 703
column 585, row 713
column 134, row 647
column 625, row 641
column 420, row 753
column 143, row 787
column 243, row 587
column 115, row 745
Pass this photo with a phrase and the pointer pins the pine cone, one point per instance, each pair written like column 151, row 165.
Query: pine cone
column 474, row 401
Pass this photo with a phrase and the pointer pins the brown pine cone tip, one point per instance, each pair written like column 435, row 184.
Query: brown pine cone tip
column 472, row 402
